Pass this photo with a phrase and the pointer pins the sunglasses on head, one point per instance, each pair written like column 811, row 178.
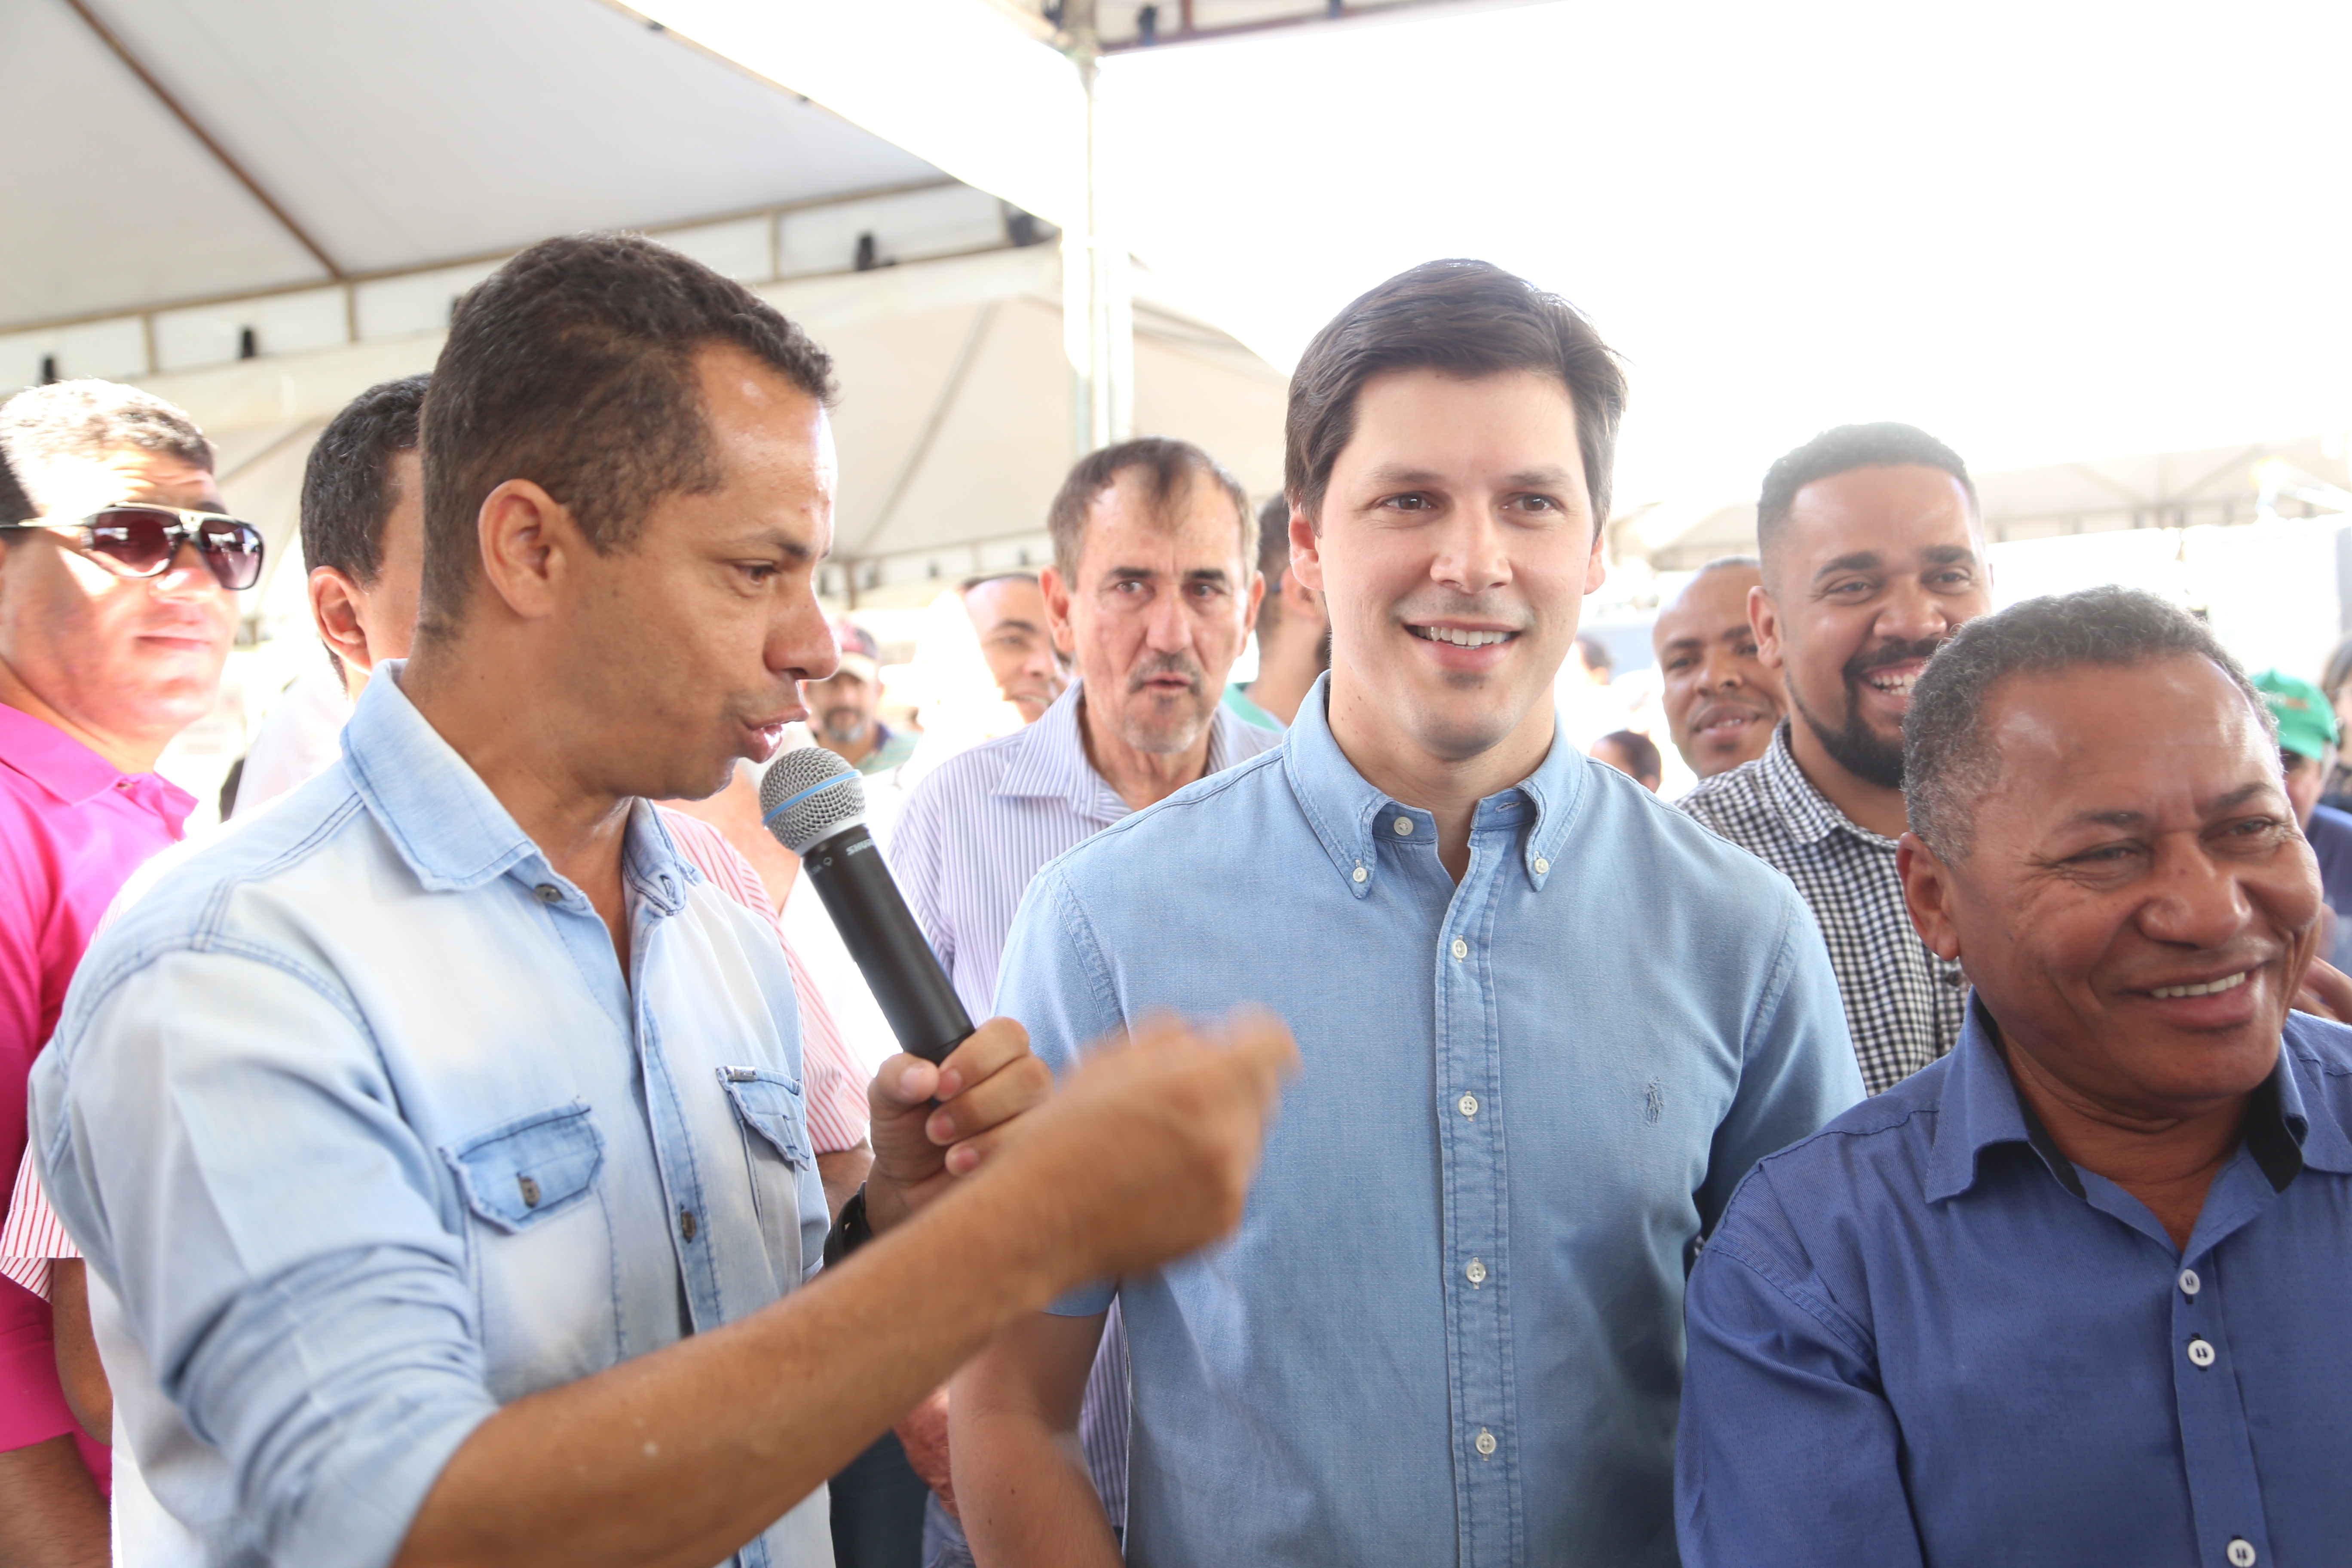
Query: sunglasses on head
column 141, row 541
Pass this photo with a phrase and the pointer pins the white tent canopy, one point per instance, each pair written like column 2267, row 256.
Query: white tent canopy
column 258, row 207
column 385, row 137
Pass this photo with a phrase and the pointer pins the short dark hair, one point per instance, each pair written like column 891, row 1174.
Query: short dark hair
column 1170, row 468
column 1948, row 761
column 2338, row 671
column 1466, row 318
column 572, row 366
column 1273, row 561
column 1640, row 751
column 980, row 579
column 1840, row 451
column 347, row 494
column 16, row 506
column 88, row 419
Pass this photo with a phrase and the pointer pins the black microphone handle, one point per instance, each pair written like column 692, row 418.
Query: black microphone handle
column 881, row 934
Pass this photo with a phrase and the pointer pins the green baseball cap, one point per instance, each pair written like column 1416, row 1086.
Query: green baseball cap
column 2306, row 725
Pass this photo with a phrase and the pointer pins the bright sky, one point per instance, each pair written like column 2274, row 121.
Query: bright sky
column 2043, row 230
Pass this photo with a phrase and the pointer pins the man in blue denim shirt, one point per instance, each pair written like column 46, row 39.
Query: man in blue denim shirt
column 1547, row 1024
column 435, row 1138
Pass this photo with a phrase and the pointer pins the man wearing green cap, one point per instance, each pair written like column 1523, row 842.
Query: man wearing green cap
column 2307, row 736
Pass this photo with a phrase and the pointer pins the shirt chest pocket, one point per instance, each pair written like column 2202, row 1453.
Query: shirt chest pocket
column 774, row 1125
column 523, row 1172
column 768, row 1106
column 541, row 1249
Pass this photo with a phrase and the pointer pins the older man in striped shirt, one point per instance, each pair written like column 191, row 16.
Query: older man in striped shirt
column 1151, row 594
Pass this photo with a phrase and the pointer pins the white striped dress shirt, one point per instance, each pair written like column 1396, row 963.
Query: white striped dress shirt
column 967, row 843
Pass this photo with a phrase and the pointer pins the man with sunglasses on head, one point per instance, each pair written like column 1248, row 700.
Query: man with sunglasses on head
column 115, row 618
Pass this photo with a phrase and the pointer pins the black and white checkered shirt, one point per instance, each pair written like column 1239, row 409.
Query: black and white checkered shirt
column 1904, row 1004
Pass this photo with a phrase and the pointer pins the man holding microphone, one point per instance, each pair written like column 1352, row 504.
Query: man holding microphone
column 507, row 1267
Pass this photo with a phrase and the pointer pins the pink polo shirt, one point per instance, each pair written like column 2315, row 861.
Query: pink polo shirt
column 72, row 829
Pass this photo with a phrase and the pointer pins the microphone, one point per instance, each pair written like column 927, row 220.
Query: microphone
column 815, row 806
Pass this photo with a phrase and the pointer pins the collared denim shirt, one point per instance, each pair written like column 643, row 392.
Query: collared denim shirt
column 1924, row 1336
column 365, row 1134
column 1449, row 1329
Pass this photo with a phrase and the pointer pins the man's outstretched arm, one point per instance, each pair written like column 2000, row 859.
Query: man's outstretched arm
column 679, row 1457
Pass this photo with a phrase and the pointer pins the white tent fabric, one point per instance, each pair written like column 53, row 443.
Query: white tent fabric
column 392, row 136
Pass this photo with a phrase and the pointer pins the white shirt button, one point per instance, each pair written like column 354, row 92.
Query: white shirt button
column 1476, row 1272
column 1543, row 866
column 2190, row 1283
column 1404, row 826
column 2241, row 1552
column 1362, row 873
column 1486, row 1444
column 2200, row 1351
column 1467, row 1105
column 549, row 893
column 1461, row 948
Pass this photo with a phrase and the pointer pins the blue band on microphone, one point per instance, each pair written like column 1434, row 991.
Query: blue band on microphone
column 785, row 805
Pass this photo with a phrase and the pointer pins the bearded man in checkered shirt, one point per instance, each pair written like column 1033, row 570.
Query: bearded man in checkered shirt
column 1873, row 553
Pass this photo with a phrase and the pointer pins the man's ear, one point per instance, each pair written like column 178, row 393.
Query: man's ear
column 335, row 612
column 1764, row 620
column 527, row 539
column 1056, row 594
column 1929, row 892
column 1303, row 601
column 1306, row 552
column 1596, row 568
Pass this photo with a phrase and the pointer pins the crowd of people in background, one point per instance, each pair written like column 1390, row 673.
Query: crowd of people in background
column 428, row 1167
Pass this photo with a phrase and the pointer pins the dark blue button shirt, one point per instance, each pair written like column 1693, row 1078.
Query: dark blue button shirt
column 1922, row 1336
column 2329, row 834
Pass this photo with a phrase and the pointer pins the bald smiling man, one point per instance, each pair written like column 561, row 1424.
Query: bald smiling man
column 1722, row 700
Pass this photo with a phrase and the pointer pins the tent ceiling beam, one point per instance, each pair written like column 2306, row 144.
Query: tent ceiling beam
column 163, row 95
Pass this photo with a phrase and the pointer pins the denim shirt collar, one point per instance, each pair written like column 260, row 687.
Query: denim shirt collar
column 1979, row 1106
column 453, row 833
column 1348, row 814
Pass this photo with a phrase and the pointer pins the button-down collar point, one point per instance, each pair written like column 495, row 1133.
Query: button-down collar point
column 1404, row 826
column 549, row 893
column 1543, row 866
column 1361, row 874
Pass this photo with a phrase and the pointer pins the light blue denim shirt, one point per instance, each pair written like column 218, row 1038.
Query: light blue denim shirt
column 365, row 1134
column 1449, row 1329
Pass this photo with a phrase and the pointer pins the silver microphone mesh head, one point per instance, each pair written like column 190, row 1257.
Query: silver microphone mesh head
column 809, row 794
